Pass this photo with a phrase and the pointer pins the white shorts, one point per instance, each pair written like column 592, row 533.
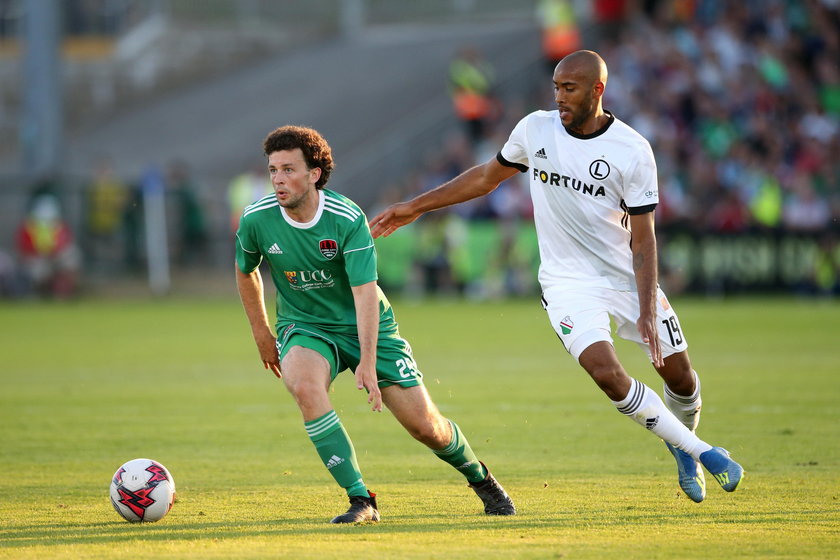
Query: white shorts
column 581, row 317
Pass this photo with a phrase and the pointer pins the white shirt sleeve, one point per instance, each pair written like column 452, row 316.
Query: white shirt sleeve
column 515, row 149
column 640, row 183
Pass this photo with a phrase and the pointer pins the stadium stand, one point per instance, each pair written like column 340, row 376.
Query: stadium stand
column 740, row 100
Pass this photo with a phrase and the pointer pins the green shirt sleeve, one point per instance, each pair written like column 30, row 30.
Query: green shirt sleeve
column 360, row 253
column 248, row 256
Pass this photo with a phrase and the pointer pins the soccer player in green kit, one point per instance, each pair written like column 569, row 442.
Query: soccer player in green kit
column 331, row 316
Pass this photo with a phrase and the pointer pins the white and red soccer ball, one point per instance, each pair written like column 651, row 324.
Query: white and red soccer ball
column 142, row 490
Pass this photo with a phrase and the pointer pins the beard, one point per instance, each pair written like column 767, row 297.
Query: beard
column 292, row 201
column 582, row 114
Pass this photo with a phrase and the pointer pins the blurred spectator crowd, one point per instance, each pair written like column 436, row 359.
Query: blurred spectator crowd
column 741, row 103
column 106, row 234
column 740, row 100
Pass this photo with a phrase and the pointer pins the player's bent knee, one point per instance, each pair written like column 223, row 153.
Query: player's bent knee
column 611, row 379
column 678, row 373
column 424, row 433
column 430, row 433
column 306, row 391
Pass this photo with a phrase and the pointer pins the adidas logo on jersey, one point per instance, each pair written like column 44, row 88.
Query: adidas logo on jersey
column 275, row 250
column 541, row 154
column 334, row 461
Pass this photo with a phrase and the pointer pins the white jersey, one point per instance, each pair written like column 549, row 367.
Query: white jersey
column 584, row 189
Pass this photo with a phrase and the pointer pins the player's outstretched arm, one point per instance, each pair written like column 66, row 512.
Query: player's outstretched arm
column 250, row 288
column 472, row 183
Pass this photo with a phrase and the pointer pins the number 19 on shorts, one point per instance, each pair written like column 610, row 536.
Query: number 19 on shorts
column 674, row 331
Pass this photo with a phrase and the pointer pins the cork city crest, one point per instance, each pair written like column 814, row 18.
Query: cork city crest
column 329, row 248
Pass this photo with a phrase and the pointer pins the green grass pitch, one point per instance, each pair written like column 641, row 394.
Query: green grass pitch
column 85, row 386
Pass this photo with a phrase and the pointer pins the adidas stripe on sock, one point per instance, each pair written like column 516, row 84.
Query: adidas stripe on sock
column 337, row 453
column 645, row 407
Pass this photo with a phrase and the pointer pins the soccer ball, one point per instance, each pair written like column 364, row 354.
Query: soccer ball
column 142, row 490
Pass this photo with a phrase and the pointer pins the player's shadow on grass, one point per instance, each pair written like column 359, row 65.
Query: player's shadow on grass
column 58, row 534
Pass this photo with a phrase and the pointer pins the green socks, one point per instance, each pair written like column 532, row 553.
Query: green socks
column 460, row 455
column 336, row 451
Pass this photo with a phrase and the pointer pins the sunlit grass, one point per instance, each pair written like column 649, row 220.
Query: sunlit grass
column 88, row 385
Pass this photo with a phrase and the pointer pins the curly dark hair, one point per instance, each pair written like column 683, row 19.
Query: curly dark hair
column 316, row 150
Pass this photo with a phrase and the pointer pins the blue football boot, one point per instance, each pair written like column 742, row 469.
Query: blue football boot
column 692, row 481
column 727, row 472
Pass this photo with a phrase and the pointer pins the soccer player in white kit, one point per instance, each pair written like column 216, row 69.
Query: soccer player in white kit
column 594, row 188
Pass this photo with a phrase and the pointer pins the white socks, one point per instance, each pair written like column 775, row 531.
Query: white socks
column 686, row 409
column 645, row 407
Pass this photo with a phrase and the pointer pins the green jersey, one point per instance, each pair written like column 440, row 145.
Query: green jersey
column 313, row 265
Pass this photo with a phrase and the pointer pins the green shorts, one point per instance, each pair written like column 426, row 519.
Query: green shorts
column 394, row 361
